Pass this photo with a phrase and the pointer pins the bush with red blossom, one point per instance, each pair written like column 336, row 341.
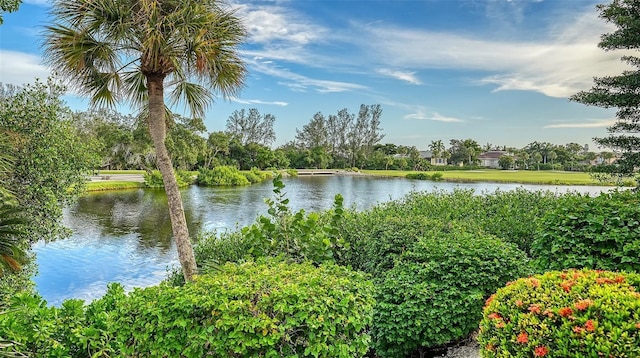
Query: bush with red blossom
column 576, row 313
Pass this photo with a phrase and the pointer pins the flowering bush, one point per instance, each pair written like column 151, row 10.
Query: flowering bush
column 577, row 313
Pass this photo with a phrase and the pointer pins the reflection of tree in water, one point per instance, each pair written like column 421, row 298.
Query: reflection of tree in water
column 141, row 212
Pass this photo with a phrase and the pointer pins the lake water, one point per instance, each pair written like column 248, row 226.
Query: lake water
column 125, row 236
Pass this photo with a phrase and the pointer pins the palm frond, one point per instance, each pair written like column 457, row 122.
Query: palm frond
column 195, row 96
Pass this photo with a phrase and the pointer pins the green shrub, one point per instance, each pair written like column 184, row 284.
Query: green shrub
column 600, row 232
column 154, row 179
column 256, row 176
column 296, row 236
column 374, row 236
column 292, row 173
column 564, row 314
column 425, row 176
column 268, row 309
column 223, row 175
column 517, row 215
column 73, row 330
column 434, row 294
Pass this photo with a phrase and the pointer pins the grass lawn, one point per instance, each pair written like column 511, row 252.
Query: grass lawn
column 113, row 185
column 503, row 176
column 106, row 172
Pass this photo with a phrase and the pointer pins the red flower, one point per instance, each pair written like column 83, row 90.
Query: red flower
column 500, row 324
column 540, row 351
column 578, row 329
column 489, row 300
column 519, row 303
column 620, row 279
column 638, row 325
column 590, row 326
column 583, row 304
column 534, row 308
column 565, row 311
column 566, row 285
column 490, row 347
column 534, row 282
column 523, row 338
column 601, row 280
column 494, row 315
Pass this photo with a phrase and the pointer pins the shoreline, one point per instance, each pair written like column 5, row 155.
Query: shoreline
column 120, row 181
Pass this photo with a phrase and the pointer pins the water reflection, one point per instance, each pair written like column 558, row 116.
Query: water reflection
column 125, row 236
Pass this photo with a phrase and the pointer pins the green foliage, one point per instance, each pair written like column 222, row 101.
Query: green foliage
column 73, row 330
column 222, row 176
column 434, row 293
column 297, row 236
column 8, row 6
column 390, row 228
column 292, row 173
column 564, row 314
column 113, row 185
column 269, row 309
column 437, row 176
column 154, row 179
column 619, row 91
column 591, row 232
column 257, row 176
column 50, row 160
column 265, row 309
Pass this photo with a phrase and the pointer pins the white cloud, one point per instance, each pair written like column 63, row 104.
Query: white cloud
column 560, row 66
column 268, row 24
column 257, row 101
column 302, row 83
column 587, row 123
column 422, row 114
column 20, row 68
column 409, row 77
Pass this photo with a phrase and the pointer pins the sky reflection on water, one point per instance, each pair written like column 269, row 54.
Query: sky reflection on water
column 125, row 236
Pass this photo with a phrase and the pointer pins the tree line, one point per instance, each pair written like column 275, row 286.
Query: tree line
column 340, row 140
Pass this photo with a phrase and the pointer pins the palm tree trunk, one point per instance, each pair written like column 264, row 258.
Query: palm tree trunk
column 158, row 131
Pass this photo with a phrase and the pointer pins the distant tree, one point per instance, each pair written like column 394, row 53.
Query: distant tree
column 437, row 148
column 251, row 127
column 620, row 91
column 551, row 156
column 464, row 151
column 217, row 144
column 185, row 141
column 313, row 134
column 505, row 161
column 387, row 148
column 364, row 133
column 536, row 158
column 337, row 131
column 606, row 157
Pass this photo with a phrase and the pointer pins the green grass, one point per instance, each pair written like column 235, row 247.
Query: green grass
column 106, row 172
column 113, row 185
column 504, row 176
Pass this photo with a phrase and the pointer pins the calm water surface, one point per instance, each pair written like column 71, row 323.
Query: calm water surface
column 125, row 236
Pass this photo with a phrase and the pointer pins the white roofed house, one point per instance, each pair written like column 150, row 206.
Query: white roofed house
column 428, row 155
column 490, row 159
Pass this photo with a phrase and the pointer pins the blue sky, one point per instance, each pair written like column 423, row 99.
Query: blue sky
column 497, row 71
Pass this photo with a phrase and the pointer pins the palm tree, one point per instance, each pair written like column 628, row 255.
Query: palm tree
column 12, row 254
column 437, row 149
column 114, row 50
